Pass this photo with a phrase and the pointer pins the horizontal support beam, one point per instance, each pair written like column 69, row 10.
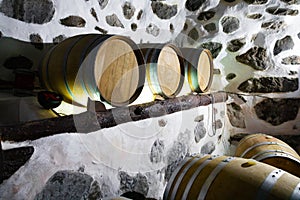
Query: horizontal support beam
column 91, row 121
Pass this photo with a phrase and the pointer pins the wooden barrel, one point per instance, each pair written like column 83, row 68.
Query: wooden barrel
column 270, row 150
column 92, row 65
column 221, row 177
column 199, row 68
column 164, row 69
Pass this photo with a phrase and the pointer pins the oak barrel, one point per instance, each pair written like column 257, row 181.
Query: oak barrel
column 222, row 177
column 164, row 69
column 198, row 63
column 94, row 65
column 270, row 150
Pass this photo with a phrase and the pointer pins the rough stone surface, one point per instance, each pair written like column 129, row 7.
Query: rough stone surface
column 236, row 115
column 256, row 57
column 283, row 44
column 255, row 16
column 94, row 14
column 152, row 29
column 30, row 11
column 273, row 25
column 59, row 38
column 133, row 26
column 128, row 10
column 282, row 11
column 95, row 192
column 277, row 111
column 230, row 76
column 291, row 60
column 157, row 151
column 163, row 10
column 256, row 2
column 217, row 124
column 214, row 48
column 103, row 3
column 199, row 131
column 193, row 35
column 137, row 183
column 236, row 44
column 139, row 15
column 207, row 15
column 171, row 28
column 73, row 21
column 113, row 20
column 193, row 5
column 66, row 185
column 36, row 40
column 289, row 1
column 269, row 85
column 101, row 30
column 199, row 118
column 230, row 24
column 211, row 27
column 19, row 62
column 208, row 148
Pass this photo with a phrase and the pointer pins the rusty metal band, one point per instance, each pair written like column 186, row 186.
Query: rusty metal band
column 268, row 184
column 212, row 176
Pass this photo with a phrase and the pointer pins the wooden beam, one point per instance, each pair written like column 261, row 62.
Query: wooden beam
column 91, row 121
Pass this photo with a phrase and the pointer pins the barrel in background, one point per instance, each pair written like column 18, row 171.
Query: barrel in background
column 199, row 68
column 222, row 177
column 270, row 150
column 94, row 65
column 164, row 69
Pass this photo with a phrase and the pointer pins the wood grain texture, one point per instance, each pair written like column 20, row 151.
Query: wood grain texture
column 91, row 121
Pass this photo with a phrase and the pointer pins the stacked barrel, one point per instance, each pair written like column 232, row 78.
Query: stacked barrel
column 114, row 68
column 267, row 169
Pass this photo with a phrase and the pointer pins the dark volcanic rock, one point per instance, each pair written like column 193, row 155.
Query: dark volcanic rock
column 73, row 21
column 171, row 28
column 256, row 2
column 101, row 30
column 193, row 5
column 193, row 35
column 113, row 20
column 256, row 57
column 205, row 16
column 277, row 111
column 157, row 151
column 211, row 27
column 58, row 39
column 273, row 25
column 128, row 10
column 133, row 26
column 230, row 76
column 236, row 115
column 103, row 3
column 282, row 11
column 269, row 85
column 199, row 131
column 66, row 185
column 214, row 48
column 19, row 62
column 30, row 11
column 208, row 148
column 254, row 16
column 283, row 44
column 36, row 40
column 94, row 14
column 137, row 183
column 291, row 60
column 236, row 44
column 152, row 29
column 230, row 24
column 163, row 10
column 139, row 15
